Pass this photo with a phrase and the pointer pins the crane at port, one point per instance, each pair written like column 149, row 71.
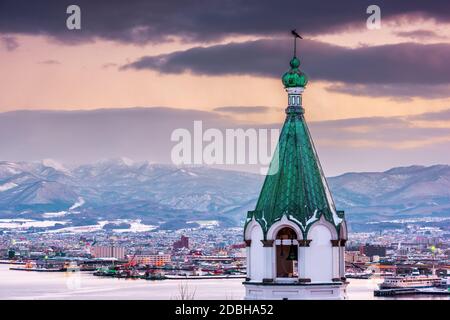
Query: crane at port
column 132, row 261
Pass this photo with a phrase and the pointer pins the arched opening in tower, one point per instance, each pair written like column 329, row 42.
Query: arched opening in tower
column 286, row 253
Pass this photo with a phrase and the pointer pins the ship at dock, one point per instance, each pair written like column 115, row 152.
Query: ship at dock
column 32, row 266
column 401, row 282
column 414, row 281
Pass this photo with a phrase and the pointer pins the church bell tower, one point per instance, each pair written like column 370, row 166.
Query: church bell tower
column 295, row 237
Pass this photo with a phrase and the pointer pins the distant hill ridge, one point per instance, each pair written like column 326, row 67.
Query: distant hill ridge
column 156, row 193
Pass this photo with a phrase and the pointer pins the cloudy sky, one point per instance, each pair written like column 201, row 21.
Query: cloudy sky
column 376, row 98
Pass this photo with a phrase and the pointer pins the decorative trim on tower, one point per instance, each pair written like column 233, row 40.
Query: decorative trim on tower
column 295, row 100
column 304, row 243
column 267, row 243
column 335, row 243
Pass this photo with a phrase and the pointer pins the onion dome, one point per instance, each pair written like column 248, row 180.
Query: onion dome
column 294, row 77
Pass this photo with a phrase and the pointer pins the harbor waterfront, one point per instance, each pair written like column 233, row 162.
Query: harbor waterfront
column 19, row 285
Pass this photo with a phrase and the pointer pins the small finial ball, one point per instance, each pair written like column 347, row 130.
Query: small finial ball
column 295, row 62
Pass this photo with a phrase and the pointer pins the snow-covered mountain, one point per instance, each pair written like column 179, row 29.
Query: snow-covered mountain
column 399, row 192
column 123, row 189
column 156, row 194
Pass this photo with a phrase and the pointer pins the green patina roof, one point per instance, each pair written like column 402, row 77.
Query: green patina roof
column 295, row 186
column 294, row 77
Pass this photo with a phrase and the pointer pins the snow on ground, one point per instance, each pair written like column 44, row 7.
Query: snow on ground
column 81, row 229
column 7, row 186
column 54, row 214
column 77, row 204
column 189, row 173
column 206, row 223
column 55, row 165
column 27, row 223
column 135, row 226
column 127, row 161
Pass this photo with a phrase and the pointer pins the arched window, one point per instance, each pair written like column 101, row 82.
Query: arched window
column 286, row 253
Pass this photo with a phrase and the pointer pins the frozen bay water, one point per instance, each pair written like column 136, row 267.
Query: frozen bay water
column 85, row 286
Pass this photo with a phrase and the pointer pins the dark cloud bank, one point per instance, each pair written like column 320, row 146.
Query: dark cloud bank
column 403, row 70
column 142, row 21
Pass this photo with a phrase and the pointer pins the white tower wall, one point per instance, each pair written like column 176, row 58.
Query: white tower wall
column 319, row 255
column 256, row 254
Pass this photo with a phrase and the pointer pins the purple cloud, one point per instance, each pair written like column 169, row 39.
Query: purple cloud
column 10, row 43
column 141, row 21
column 386, row 70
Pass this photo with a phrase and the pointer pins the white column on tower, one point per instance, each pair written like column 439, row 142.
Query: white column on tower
column 342, row 258
column 248, row 255
column 268, row 248
column 302, row 261
column 336, row 261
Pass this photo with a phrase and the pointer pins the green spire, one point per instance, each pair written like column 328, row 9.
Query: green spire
column 295, row 186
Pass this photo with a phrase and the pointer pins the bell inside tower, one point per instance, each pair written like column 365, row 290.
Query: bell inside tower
column 286, row 253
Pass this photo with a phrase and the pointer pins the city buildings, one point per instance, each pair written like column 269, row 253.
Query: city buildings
column 373, row 250
column 108, row 252
column 216, row 250
column 153, row 259
column 182, row 243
